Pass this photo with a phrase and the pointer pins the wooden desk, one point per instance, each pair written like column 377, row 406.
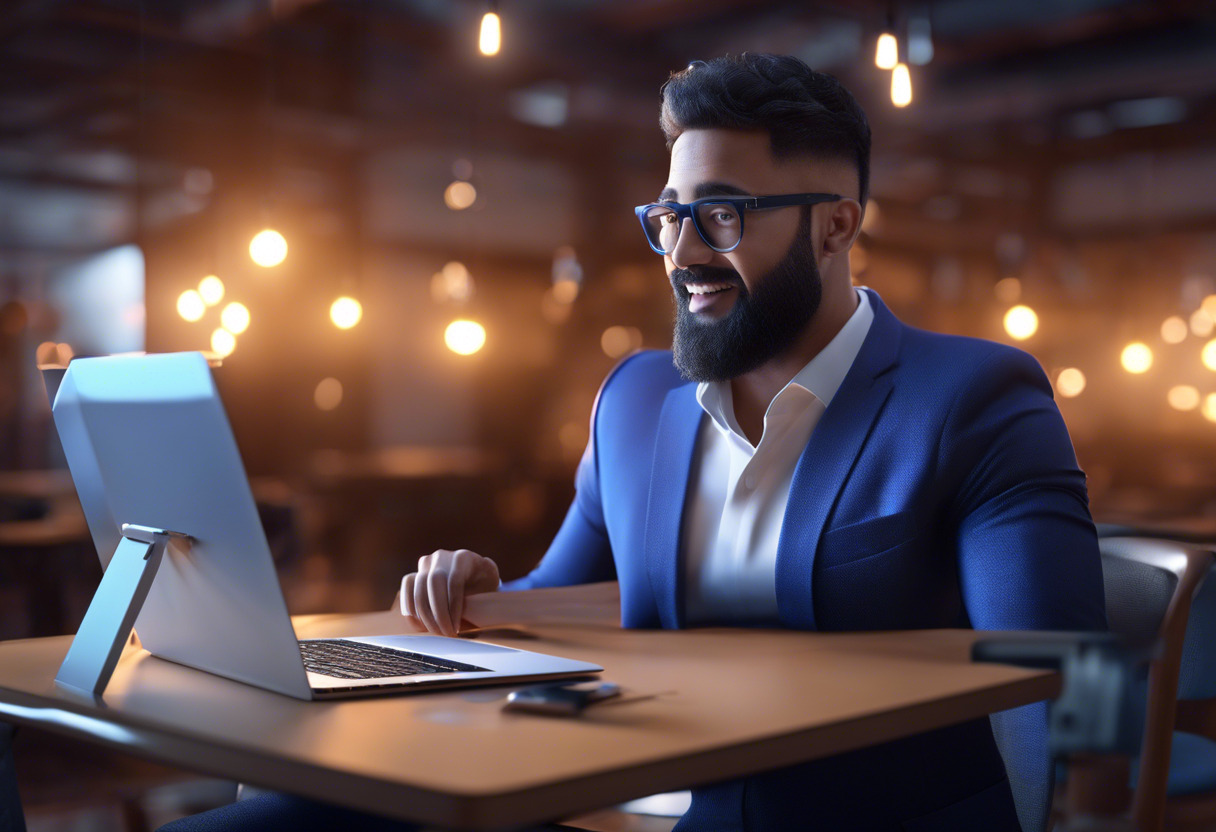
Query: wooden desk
column 719, row 703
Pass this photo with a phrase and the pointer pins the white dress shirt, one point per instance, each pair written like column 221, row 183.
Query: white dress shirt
column 739, row 492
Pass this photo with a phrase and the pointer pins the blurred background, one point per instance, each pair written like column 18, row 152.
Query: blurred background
column 412, row 243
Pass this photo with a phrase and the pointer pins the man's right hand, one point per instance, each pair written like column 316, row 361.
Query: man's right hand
column 434, row 596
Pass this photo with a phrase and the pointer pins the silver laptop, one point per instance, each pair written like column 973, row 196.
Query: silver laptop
column 148, row 443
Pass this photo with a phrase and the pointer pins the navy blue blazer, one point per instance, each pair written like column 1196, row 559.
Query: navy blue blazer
column 939, row 489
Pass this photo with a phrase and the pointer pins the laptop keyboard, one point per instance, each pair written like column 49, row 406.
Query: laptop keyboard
column 344, row 659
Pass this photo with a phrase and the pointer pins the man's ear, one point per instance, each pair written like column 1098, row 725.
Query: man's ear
column 844, row 225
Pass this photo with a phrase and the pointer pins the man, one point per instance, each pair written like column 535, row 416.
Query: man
column 810, row 462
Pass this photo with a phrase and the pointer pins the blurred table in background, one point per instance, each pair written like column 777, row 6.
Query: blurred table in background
column 47, row 561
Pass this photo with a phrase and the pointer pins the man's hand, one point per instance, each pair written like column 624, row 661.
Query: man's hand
column 434, row 595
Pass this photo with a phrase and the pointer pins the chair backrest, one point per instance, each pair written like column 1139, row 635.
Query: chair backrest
column 1150, row 585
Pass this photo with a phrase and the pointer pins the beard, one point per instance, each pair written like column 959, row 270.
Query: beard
column 761, row 325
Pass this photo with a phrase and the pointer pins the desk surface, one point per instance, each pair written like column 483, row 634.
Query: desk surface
column 699, row 705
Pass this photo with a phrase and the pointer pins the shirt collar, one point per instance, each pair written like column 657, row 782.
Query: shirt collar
column 822, row 375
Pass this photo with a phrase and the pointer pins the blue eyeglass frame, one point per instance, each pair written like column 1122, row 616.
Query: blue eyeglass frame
column 743, row 204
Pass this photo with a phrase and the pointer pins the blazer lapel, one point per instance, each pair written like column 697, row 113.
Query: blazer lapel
column 676, row 439
column 826, row 461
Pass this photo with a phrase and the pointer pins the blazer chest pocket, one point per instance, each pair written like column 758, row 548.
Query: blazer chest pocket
column 856, row 541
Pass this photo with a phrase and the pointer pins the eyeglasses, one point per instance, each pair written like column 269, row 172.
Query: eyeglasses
column 718, row 219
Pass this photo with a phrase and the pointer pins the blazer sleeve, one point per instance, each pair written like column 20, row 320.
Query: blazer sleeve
column 1027, row 550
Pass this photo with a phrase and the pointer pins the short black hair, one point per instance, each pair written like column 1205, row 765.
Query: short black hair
column 806, row 113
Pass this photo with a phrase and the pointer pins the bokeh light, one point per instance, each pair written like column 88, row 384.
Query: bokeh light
column 489, row 39
column 1209, row 407
column 565, row 291
column 1202, row 323
column 268, row 248
column 1008, row 290
column 1183, row 397
column 617, row 341
column 223, row 342
column 190, row 305
column 1137, row 358
column 901, row 86
column 1208, row 355
column 345, row 312
column 1021, row 322
column 235, row 318
column 1070, row 382
column 459, row 195
column 1174, row 330
column 886, row 54
column 328, row 394
column 212, row 290
column 464, row 337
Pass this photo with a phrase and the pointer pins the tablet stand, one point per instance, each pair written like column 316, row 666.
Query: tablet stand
column 111, row 615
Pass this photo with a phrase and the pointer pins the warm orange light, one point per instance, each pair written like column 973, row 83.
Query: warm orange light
column 1008, row 290
column 1021, row 322
column 1209, row 305
column 459, row 195
column 328, row 394
column 1137, row 358
column 1173, row 330
column 886, row 55
column 1209, row 407
column 235, row 318
column 464, row 337
column 1183, row 397
column 268, row 248
column 617, row 341
column 490, row 39
column 1202, row 323
column 345, row 312
column 1070, row 382
column 211, row 288
column 190, row 305
column 901, row 86
column 223, row 342
column 1208, row 355
column 565, row 291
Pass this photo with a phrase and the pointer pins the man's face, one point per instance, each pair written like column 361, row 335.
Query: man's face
column 736, row 311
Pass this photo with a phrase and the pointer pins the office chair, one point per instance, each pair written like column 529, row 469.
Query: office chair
column 1156, row 586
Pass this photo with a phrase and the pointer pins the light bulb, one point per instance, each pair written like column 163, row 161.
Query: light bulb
column 345, row 312
column 887, row 54
column 901, row 86
column 464, row 337
column 490, row 40
column 268, row 248
column 190, row 305
column 235, row 318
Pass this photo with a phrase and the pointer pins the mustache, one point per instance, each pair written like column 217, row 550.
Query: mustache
column 704, row 274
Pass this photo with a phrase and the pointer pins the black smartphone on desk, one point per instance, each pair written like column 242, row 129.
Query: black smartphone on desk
column 560, row 700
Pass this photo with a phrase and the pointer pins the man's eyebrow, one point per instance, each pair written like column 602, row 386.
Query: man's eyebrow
column 718, row 189
column 706, row 189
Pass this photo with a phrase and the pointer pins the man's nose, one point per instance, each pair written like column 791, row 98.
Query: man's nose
column 690, row 248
